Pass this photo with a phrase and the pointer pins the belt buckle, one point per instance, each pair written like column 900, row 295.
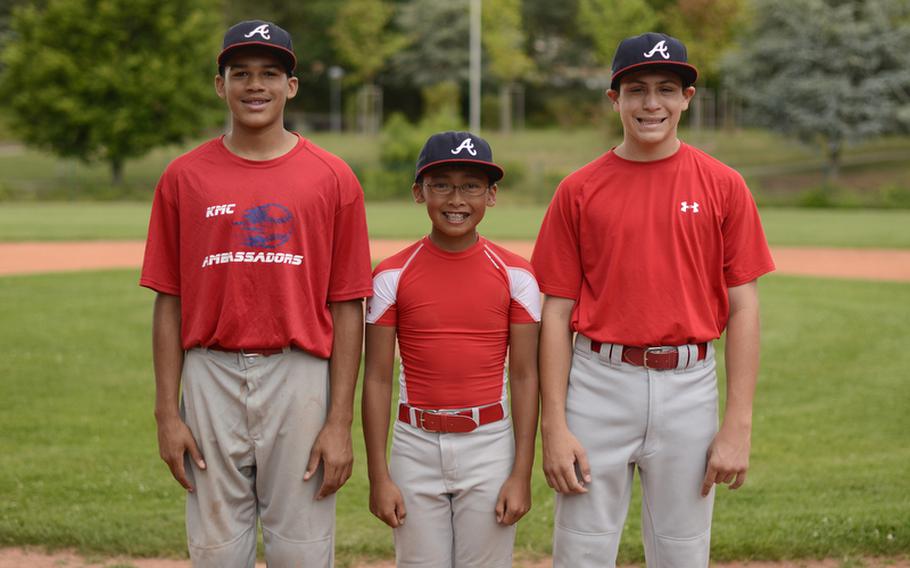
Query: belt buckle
column 443, row 421
column 656, row 350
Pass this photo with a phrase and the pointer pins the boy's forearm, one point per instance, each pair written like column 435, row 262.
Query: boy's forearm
column 167, row 355
column 555, row 360
column 377, row 395
column 344, row 363
column 525, row 387
column 742, row 356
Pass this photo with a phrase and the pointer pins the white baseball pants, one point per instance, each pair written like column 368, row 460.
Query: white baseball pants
column 450, row 483
column 660, row 422
column 255, row 419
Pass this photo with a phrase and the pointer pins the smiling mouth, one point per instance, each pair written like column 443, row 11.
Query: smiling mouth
column 255, row 102
column 456, row 218
column 651, row 121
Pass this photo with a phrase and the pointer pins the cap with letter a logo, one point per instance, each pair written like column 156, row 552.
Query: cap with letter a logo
column 453, row 147
column 261, row 33
column 652, row 50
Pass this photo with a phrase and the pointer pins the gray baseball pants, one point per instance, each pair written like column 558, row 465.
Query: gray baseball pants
column 450, row 483
column 660, row 422
column 255, row 419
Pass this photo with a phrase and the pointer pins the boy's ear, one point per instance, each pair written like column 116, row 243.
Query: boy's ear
column 219, row 85
column 688, row 93
column 613, row 95
column 417, row 191
column 293, row 85
column 491, row 195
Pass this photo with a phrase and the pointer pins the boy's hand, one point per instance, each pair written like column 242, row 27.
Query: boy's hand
column 387, row 503
column 728, row 458
column 334, row 449
column 514, row 499
column 174, row 441
column 561, row 452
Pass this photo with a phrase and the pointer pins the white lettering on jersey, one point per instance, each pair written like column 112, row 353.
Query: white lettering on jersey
column 253, row 257
column 214, row 210
column 466, row 145
column 685, row 207
column 262, row 30
column 660, row 48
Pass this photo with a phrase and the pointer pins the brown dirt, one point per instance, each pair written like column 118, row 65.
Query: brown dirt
column 29, row 258
column 31, row 558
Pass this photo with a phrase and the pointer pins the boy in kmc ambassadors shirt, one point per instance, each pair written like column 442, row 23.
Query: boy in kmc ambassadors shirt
column 458, row 480
column 258, row 250
column 648, row 253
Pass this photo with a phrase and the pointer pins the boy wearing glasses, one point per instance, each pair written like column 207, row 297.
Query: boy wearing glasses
column 458, row 479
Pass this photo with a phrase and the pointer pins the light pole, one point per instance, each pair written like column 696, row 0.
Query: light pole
column 474, row 101
column 335, row 75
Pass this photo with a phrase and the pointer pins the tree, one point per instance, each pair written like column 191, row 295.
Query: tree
column 826, row 71
column 438, row 46
column 109, row 81
column 504, row 40
column 607, row 22
column 363, row 43
column 708, row 28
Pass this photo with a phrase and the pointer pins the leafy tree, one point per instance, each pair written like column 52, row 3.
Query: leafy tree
column 607, row 22
column 438, row 48
column 504, row 41
column 826, row 71
column 708, row 28
column 111, row 80
column 361, row 39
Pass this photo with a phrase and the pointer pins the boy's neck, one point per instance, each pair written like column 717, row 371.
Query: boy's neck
column 632, row 151
column 260, row 144
column 453, row 244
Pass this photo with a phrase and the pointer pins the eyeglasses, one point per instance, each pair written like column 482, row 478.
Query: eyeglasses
column 470, row 189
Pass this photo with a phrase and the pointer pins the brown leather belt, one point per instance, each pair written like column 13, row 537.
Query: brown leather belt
column 450, row 421
column 253, row 352
column 659, row 358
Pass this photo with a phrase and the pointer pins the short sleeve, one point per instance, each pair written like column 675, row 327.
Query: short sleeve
column 556, row 258
column 161, row 262
column 350, row 277
column 525, row 304
column 382, row 305
column 746, row 252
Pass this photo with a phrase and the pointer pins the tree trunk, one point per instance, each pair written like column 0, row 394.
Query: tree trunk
column 832, row 168
column 117, row 171
column 505, row 108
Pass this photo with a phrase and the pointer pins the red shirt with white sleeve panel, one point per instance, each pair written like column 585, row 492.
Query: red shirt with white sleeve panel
column 257, row 249
column 452, row 312
column 648, row 249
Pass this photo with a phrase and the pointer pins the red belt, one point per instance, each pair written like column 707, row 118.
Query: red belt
column 450, row 421
column 263, row 352
column 660, row 358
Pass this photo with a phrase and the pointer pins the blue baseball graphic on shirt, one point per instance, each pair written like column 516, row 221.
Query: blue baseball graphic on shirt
column 266, row 226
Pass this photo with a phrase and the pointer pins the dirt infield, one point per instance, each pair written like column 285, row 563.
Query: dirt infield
column 20, row 558
column 30, row 258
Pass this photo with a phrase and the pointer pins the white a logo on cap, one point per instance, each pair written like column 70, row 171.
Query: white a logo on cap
column 262, row 30
column 466, row 145
column 660, row 48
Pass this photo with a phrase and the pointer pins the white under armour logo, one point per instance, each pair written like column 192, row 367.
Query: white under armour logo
column 685, row 207
column 660, row 48
column 262, row 30
column 466, row 145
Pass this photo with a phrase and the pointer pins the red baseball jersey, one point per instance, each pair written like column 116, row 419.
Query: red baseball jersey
column 257, row 249
column 452, row 311
column 648, row 249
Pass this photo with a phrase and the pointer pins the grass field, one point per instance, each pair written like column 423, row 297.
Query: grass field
column 829, row 467
column 779, row 170
column 122, row 220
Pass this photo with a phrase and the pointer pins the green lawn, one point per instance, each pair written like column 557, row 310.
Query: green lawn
column 508, row 220
column 829, row 467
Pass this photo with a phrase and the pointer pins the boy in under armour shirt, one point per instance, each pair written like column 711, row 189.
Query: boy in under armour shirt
column 258, row 250
column 459, row 478
column 649, row 253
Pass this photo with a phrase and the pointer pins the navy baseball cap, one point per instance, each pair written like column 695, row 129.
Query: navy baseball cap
column 458, row 148
column 261, row 33
column 652, row 50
